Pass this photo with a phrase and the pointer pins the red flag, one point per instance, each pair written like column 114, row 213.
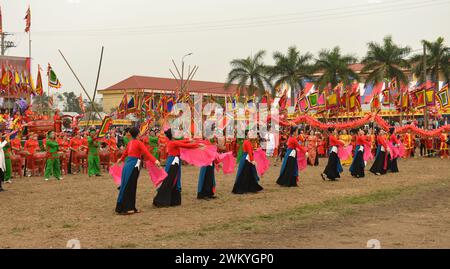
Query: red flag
column 283, row 101
column 28, row 20
column 1, row 21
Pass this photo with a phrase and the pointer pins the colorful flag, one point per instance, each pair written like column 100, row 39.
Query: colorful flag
column 430, row 97
column 313, row 99
column 28, row 20
column 393, row 84
column 169, row 104
column 131, row 106
column 106, row 123
column 419, row 98
column 443, row 98
column 146, row 104
column 309, row 87
column 123, row 105
column 303, row 104
column 32, row 86
column 39, row 87
column 386, row 97
column 6, row 78
column 371, row 91
column 53, row 80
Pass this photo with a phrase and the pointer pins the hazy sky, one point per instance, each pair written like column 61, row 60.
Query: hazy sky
column 142, row 36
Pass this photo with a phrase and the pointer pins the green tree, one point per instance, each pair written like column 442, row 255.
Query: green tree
column 437, row 60
column 334, row 68
column 91, row 108
column 71, row 102
column 41, row 104
column 386, row 61
column 249, row 73
column 291, row 68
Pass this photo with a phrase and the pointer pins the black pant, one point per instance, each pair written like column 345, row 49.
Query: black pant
column 422, row 150
column 2, row 177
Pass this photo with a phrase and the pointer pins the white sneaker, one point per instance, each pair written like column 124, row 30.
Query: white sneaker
column 8, row 181
column 60, row 178
column 46, row 179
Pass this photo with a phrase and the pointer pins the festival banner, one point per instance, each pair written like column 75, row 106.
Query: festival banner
column 386, row 97
column 123, row 106
column 303, row 104
column 104, row 129
column 419, row 97
column 430, row 97
column 332, row 101
column 313, row 100
column 443, row 96
column 131, row 106
column 39, row 86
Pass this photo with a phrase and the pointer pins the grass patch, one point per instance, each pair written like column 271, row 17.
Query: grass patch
column 18, row 230
column 68, row 226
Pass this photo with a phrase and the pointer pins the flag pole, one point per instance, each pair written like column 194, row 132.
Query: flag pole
column 79, row 82
column 95, row 90
column 29, row 45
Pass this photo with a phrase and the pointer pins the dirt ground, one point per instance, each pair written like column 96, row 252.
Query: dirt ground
column 406, row 210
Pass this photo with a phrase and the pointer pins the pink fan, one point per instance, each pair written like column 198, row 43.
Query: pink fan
column 262, row 163
column 199, row 157
column 395, row 151
column 228, row 162
column 116, row 172
column 301, row 161
column 157, row 175
column 367, row 154
column 345, row 152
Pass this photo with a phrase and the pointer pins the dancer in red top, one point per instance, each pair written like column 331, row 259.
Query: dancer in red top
column 169, row 193
column 289, row 169
column 247, row 177
column 392, row 162
column 362, row 144
column 31, row 146
column 126, row 202
column 379, row 166
column 334, row 168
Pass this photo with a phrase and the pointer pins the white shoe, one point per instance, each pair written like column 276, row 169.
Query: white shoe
column 60, row 178
column 46, row 179
column 8, row 181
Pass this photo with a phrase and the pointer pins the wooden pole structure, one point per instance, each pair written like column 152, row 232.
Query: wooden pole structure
column 96, row 86
column 79, row 82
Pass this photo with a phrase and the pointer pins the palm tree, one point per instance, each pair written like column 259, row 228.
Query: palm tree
column 249, row 73
column 386, row 61
column 291, row 69
column 437, row 60
column 335, row 68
